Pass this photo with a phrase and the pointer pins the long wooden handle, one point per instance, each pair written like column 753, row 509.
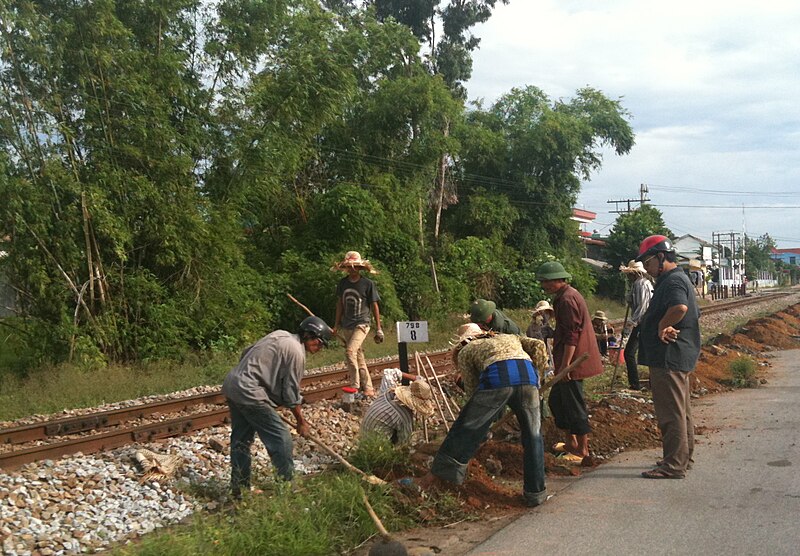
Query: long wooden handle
column 372, row 479
column 563, row 372
column 306, row 309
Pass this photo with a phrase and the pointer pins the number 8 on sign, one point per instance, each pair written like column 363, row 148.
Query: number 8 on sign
column 412, row 331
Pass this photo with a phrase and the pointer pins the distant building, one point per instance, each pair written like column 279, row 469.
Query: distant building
column 787, row 256
column 690, row 247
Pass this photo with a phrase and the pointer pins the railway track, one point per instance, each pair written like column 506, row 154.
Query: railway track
column 111, row 429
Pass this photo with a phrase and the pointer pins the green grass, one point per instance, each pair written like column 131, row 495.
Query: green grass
column 318, row 515
column 743, row 371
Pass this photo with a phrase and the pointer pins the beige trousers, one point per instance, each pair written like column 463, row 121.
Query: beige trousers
column 354, row 357
column 672, row 401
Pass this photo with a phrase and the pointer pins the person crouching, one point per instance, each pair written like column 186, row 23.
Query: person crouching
column 392, row 414
column 506, row 369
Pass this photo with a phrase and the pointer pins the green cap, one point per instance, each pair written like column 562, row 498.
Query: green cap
column 552, row 270
column 481, row 310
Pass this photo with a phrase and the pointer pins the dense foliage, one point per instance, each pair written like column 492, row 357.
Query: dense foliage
column 172, row 169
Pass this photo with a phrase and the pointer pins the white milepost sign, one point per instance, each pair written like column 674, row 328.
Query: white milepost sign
column 412, row 331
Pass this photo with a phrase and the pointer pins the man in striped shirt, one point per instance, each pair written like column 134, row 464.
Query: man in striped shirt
column 392, row 414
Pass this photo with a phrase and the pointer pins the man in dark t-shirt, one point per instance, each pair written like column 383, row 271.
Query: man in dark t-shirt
column 356, row 295
column 669, row 343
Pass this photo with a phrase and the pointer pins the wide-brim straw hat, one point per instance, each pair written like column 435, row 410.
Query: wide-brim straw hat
column 542, row 306
column 352, row 259
column 694, row 264
column 599, row 315
column 467, row 331
column 634, row 267
column 417, row 397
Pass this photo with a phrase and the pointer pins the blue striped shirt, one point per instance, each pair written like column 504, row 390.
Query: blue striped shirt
column 509, row 372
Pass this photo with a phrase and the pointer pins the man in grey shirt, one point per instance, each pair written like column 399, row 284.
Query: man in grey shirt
column 268, row 376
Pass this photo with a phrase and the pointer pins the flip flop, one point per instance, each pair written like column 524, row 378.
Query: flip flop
column 660, row 462
column 560, row 447
column 659, row 473
column 570, row 458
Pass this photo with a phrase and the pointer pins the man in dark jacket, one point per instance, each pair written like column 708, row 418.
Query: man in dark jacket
column 669, row 343
column 573, row 337
column 485, row 314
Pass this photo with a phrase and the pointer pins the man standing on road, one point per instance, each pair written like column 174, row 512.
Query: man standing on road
column 355, row 296
column 639, row 294
column 268, row 376
column 574, row 336
column 670, row 345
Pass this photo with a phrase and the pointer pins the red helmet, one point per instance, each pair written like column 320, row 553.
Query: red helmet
column 654, row 244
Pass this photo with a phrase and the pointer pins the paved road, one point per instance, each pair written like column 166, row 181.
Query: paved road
column 743, row 496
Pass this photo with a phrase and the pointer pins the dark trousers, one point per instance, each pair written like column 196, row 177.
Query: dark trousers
column 631, row 347
column 472, row 424
column 569, row 407
column 246, row 422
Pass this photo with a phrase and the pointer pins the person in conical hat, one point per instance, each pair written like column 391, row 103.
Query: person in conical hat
column 392, row 414
column 542, row 321
column 602, row 331
column 356, row 295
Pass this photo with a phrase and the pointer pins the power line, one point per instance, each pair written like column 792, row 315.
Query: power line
column 739, row 207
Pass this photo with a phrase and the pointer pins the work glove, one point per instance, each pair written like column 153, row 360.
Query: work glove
column 379, row 337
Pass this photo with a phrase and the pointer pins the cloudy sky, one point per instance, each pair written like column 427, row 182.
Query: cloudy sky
column 714, row 92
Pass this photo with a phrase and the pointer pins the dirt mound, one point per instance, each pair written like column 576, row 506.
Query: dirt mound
column 620, row 421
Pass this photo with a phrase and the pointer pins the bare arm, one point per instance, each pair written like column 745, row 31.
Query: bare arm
column 377, row 312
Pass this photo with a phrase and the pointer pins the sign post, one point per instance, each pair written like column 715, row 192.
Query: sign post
column 409, row 331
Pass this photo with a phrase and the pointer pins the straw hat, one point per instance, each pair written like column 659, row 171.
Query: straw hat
column 633, row 267
column 417, row 397
column 599, row 315
column 467, row 331
column 352, row 259
column 542, row 306
column 694, row 264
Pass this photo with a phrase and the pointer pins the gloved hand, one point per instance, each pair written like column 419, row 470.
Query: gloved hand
column 379, row 337
column 418, row 378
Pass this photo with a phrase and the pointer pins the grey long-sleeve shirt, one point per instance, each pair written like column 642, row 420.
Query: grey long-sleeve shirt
column 639, row 299
column 269, row 371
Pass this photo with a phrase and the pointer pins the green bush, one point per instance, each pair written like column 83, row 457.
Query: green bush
column 377, row 455
column 743, row 372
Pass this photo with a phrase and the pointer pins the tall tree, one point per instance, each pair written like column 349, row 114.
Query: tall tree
column 536, row 153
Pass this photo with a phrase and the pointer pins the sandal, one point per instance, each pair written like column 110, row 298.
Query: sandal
column 659, row 473
column 660, row 463
column 570, row 458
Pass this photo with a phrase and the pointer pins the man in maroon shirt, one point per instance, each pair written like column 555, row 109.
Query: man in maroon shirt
column 574, row 336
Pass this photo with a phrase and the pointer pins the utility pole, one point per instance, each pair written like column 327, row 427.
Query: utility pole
column 627, row 202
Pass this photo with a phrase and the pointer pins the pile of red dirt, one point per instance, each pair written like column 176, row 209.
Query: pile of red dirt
column 620, row 421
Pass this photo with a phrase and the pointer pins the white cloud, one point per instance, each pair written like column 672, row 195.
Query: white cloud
column 712, row 87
